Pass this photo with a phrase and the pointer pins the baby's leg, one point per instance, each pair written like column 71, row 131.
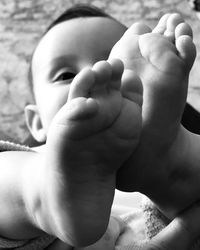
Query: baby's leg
column 163, row 60
column 87, row 142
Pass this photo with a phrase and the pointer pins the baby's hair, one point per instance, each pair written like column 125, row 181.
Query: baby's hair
column 77, row 11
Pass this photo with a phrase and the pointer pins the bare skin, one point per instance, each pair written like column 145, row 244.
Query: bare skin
column 162, row 59
column 92, row 127
column 63, row 185
column 66, row 187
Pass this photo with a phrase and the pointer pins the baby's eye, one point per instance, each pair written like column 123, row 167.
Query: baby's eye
column 65, row 76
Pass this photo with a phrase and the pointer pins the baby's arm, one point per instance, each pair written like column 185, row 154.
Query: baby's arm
column 22, row 196
column 28, row 208
column 24, row 199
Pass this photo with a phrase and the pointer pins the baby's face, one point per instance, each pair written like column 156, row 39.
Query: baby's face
column 63, row 52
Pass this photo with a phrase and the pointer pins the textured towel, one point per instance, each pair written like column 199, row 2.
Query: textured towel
column 10, row 146
column 155, row 221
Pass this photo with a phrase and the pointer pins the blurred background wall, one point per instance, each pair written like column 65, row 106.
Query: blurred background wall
column 23, row 21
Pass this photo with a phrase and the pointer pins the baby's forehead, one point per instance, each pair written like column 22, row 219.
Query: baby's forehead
column 75, row 33
column 74, row 26
column 96, row 36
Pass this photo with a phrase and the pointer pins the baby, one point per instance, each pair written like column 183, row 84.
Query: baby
column 88, row 115
column 66, row 189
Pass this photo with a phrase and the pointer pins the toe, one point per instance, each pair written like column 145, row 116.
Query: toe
column 162, row 24
column 183, row 29
column 81, row 85
column 103, row 73
column 117, row 71
column 172, row 22
column 138, row 29
column 187, row 50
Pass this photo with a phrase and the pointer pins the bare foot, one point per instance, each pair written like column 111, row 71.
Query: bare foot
column 162, row 59
column 89, row 139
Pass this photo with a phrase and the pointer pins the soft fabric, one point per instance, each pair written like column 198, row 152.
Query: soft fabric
column 155, row 221
column 10, row 146
column 38, row 243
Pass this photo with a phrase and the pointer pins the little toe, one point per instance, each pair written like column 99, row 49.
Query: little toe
column 162, row 24
column 172, row 22
column 186, row 50
column 81, row 84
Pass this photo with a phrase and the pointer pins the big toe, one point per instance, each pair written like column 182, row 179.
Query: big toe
column 128, row 44
column 138, row 29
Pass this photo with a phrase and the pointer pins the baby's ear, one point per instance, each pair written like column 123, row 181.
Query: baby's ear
column 34, row 123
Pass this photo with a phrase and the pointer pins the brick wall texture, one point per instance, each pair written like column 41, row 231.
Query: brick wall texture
column 22, row 23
